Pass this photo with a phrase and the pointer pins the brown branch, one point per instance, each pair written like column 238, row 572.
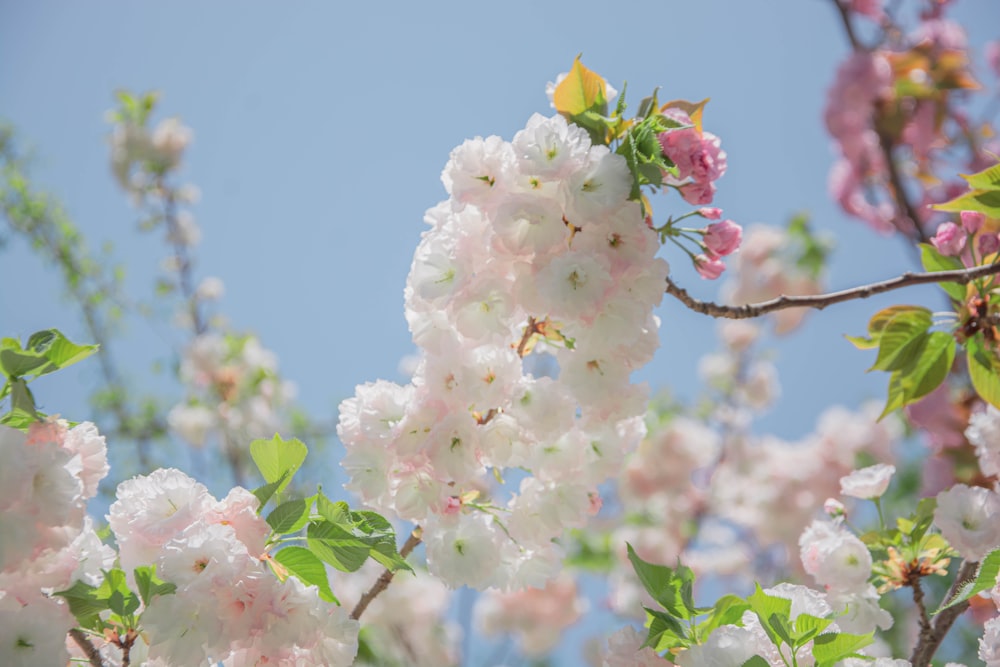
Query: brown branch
column 904, row 207
column 89, row 650
column 845, row 18
column 821, row 301
column 927, row 646
column 926, row 632
column 383, row 581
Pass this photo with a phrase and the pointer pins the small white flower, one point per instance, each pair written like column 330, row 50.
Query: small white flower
column 867, row 483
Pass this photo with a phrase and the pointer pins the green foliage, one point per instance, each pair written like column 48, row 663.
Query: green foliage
column 674, row 628
column 88, row 604
column 45, row 352
column 811, row 250
column 334, row 534
column 917, row 359
column 935, row 261
column 277, row 460
column 984, row 370
column 986, row 578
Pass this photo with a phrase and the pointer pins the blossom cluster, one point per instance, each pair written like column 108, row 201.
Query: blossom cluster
column 47, row 541
column 898, row 112
column 228, row 607
column 235, row 394
column 538, row 249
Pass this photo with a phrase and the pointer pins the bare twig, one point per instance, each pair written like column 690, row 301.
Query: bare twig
column 904, row 207
column 383, row 581
column 845, row 18
column 928, row 643
column 821, row 301
column 89, row 650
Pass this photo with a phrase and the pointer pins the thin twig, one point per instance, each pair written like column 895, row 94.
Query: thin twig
column 927, row 646
column 821, row 301
column 88, row 648
column 904, row 207
column 383, row 581
column 845, row 18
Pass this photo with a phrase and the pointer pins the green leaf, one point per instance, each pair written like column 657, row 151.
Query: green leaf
column 336, row 546
column 334, row 512
column 833, row 647
column 59, row 350
column 84, row 604
column 266, row 492
column 897, row 335
column 383, row 551
column 986, row 578
column 983, row 200
column 984, row 370
column 756, row 661
column 665, row 631
column 21, row 399
column 305, row 565
column 728, row 610
column 881, row 319
column 289, row 517
column 807, row 625
column 370, row 522
column 277, row 458
column 932, row 366
column 987, row 179
column 17, row 363
column 861, row 342
column 114, row 588
column 46, row 351
column 767, row 607
column 664, row 584
column 19, row 419
column 150, row 585
column 934, row 261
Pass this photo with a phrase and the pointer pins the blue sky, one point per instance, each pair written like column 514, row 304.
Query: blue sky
column 321, row 130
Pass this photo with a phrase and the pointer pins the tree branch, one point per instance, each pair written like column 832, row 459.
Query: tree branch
column 383, row 581
column 928, row 644
column 845, row 18
column 89, row 650
column 821, row 301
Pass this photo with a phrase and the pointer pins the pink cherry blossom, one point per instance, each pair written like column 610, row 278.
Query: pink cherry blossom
column 972, row 221
column 988, row 244
column 723, row 238
column 949, row 239
column 709, row 266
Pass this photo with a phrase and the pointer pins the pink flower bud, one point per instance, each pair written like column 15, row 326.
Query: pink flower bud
column 709, row 266
column 723, row 238
column 972, row 220
column 710, row 212
column 988, row 244
column 834, row 508
column 949, row 240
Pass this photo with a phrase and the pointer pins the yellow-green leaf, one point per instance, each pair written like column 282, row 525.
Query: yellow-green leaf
column 582, row 89
column 985, row 201
column 900, row 340
column 984, row 369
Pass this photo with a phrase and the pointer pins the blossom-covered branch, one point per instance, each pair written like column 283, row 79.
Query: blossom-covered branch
column 821, row 301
